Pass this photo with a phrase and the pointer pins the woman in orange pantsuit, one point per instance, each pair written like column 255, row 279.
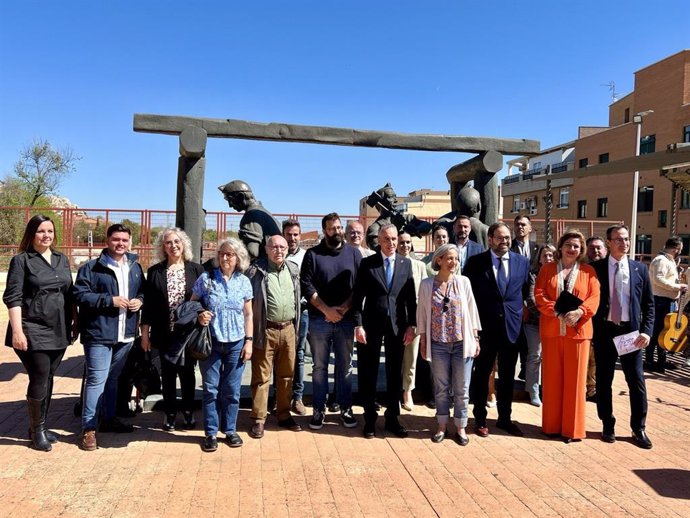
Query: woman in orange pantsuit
column 566, row 337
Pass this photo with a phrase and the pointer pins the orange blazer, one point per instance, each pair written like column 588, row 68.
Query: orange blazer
column 586, row 288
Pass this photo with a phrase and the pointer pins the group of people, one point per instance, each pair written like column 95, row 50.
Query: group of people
column 466, row 311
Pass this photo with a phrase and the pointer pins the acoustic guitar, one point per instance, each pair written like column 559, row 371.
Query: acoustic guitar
column 673, row 338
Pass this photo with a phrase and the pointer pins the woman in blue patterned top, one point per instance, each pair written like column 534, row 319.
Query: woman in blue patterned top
column 226, row 295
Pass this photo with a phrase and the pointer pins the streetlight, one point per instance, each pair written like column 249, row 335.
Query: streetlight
column 637, row 119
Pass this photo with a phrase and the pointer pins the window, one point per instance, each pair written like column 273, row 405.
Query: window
column 603, row 158
column 686, row 134
column 582, row 163
column 582, row 209
column 536, row 167
column 564, row 198
column 602, row 208
column 626, row 115
column 647, row 144
column 645, row 199
column 643, row 245
column 686, row 240
column 663, row 216
column 684, row 199
column 516, row 204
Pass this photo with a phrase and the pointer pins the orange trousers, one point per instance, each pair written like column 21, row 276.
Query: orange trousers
column 564, row 379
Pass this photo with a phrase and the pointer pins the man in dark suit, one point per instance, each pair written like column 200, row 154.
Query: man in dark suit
column 522, row 244
column 385, row 287
column 626, row 305
column 499, row 279
column 466, row 247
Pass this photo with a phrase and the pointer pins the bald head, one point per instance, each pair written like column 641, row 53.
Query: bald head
column 276, row 249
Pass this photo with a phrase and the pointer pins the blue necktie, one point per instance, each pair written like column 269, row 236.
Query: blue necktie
column 389, row 272
column 501, row 278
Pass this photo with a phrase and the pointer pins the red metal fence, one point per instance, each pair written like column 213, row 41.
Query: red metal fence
column 81, row 232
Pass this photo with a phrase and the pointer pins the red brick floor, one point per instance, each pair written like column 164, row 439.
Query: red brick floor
column 335, row 472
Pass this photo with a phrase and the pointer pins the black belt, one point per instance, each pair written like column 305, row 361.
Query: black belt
column 278, row 325
column 622, row 324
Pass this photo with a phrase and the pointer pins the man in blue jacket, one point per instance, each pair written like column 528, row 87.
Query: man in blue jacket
column 109, row 291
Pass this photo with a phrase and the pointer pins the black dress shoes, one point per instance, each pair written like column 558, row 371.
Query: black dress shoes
column 642, row 440
column 234, row 440
column 396, row 429
column 510, row 427
column 369, row 430
column 608, row 435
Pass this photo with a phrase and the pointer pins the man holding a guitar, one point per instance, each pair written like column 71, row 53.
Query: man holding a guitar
column 667, row 287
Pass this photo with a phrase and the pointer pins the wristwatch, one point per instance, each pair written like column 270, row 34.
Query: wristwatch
column 248, row 338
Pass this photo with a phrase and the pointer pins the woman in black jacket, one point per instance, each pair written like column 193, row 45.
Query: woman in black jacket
column 168, row 284
column 42, row 321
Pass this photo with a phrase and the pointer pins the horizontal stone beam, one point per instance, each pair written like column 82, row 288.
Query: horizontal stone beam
column 231, row 128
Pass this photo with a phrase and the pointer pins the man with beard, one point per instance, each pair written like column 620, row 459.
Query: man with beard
column 466, row 247
column 328, row 277
column 499, row 280
column 596, row 249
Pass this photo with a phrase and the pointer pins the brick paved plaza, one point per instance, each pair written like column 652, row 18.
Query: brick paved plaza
column 336, row 472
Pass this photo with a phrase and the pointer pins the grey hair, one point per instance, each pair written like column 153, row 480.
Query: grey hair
column 240, row 250
column 161, row 256
column 441, row 251
column 387, row 226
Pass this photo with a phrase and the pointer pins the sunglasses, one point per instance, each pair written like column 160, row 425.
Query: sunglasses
column 446, row 301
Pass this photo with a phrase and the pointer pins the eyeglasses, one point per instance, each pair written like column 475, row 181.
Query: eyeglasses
column 278, row 248
column 229, row 255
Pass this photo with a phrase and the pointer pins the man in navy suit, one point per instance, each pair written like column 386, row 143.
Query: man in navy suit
column 626, row 305
column 466, row 247
column 385, row 287
column 499, row 279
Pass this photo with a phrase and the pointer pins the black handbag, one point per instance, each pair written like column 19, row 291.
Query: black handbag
column 145, row 376
column 567, row 302
column 198, row 342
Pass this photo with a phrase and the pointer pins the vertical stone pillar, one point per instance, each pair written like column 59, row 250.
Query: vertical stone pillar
column 482, row 170
column 190, row 186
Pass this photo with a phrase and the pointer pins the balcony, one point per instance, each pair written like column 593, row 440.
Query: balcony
column 561, row 167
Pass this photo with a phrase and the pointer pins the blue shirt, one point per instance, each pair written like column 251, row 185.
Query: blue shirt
column 226, row 301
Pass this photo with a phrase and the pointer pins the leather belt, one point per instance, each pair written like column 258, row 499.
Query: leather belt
column 278, row 325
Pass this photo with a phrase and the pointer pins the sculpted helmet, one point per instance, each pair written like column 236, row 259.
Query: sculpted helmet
column 234, row 186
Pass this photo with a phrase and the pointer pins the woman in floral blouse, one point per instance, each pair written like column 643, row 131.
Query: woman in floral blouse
column 448, row 322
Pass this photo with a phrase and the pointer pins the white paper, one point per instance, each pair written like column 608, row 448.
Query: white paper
column 624, row 343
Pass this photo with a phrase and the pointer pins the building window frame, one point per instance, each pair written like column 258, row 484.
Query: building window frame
column 602, row 207
column 645, row 199
column 647, row 144
column 581, row 209
column 662, row 218
column 603, row 158
column 564, row 198
column 582, row 163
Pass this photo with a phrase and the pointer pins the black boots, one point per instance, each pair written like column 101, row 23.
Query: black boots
column 37, row 422
column 52, row 438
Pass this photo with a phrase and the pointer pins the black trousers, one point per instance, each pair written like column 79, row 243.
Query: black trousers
column 662, row 307
column 494, row 346
column 605, row 355
column 41, row 367
column 368, row 356
column 169, row 374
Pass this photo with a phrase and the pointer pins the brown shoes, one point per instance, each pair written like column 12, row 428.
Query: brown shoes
column 298, row 407
column 88, row 441
column 481, row 431
column 257, row 431
column 290, row 424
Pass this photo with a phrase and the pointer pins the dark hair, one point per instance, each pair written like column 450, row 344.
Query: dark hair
column 331, row 216
column 570, row 234
column 30, row 232
column 614, row 228
column 436, row 228
column 593, row 238
column 118, row 227
column 673, row 242
column 495, row 227
column 521, row 216
column 287, row 223
column 463, row 216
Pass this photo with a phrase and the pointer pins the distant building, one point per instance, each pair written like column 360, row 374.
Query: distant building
column 663, row 87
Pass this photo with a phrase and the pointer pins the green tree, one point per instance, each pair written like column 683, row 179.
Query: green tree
column 41, row 169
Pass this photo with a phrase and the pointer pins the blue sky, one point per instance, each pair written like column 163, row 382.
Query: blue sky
column 75, row 73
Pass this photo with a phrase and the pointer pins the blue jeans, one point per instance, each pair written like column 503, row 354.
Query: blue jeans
column 104, row 363
column 298, row 378
column 221, row 378
column 533, row 362
column 451, row 371
column 324, row 337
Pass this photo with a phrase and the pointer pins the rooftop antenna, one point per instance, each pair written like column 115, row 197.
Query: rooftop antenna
column 612, row 88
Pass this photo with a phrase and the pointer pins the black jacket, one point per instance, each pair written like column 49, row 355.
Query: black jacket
column 42, row 290
column 156, row 312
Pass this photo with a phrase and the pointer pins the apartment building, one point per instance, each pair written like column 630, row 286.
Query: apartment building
column 661, row 101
